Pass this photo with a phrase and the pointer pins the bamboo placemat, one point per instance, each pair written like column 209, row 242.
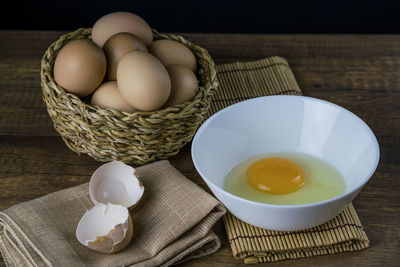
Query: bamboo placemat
column 244, row 80
column 271, row 76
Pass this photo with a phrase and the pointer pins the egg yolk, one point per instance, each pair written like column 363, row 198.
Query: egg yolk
column 276, row 175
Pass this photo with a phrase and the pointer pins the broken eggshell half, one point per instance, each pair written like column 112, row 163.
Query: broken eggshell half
column 116, row 183
column 105, row 228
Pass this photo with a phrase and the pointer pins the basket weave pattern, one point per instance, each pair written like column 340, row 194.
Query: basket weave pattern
column 138, row 137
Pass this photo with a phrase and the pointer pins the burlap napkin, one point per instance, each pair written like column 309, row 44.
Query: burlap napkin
column 172, row 224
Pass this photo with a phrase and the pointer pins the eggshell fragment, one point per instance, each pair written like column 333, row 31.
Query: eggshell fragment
column 108, row 96
column 143, row 81
column 116, row 22
column 116, row 183
column 184, row 85
column 118, row 45
column 105, row 228
column 170, row 52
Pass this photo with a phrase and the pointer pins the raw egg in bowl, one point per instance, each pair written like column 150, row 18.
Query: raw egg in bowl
column 285, row 162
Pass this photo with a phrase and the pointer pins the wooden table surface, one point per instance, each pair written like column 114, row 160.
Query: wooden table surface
column 358, row 72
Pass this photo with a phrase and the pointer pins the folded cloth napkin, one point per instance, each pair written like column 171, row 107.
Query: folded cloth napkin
column 172, row 224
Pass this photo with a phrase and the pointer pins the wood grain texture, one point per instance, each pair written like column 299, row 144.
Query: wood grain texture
column 358, row 72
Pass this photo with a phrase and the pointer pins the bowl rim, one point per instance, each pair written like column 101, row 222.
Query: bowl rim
column 307, row 98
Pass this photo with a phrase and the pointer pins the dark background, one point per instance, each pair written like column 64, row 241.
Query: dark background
column 274, row 16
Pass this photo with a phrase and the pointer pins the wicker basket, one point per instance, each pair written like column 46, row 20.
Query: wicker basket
column 135, row 138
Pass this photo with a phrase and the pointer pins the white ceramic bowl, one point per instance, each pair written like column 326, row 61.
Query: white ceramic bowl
column 285, row 124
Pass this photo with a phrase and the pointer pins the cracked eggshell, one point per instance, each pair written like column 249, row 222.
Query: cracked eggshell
column 105, row 228
column 116, row 183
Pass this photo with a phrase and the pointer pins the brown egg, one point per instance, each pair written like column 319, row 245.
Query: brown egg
column 108, row 96
column 118, row 45
column 116, row 22
column 80, row 67
column 143, row 81
column 183, row 85
column 173, row 53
